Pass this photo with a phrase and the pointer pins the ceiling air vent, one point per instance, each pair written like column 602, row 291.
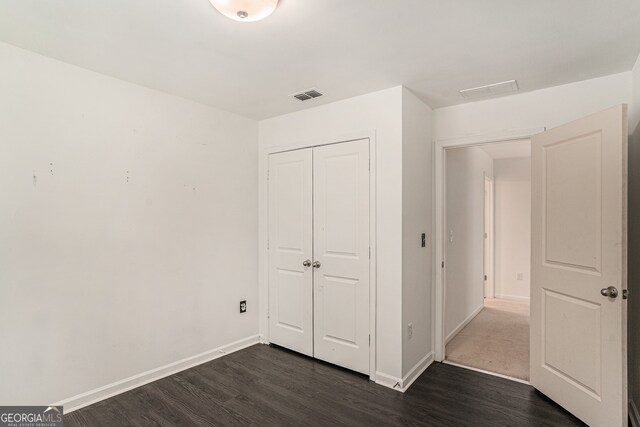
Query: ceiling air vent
column 307, row 95
column 501, row 88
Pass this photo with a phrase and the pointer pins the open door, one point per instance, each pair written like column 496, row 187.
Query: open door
column 579, row 264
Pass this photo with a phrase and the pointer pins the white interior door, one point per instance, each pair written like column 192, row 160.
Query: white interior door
column 578, row 335
column 341, row 248
column 291, row 250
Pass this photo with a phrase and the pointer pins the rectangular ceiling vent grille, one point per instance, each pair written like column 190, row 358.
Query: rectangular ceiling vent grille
column 495, row 89
column 307, row 95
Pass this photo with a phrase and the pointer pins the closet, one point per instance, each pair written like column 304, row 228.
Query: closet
column 319, row 252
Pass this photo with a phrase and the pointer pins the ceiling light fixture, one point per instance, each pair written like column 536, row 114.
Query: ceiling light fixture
column 245, row 10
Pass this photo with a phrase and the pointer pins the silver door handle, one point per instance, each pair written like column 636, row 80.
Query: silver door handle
column 306, row 263
column 316, row 264
column 610, row 292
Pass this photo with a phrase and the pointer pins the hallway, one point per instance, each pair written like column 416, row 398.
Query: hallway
column 496, row 340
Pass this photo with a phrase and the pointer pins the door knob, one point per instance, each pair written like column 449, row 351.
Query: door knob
column 316, row 264
column 306, row 263
column 610, row 292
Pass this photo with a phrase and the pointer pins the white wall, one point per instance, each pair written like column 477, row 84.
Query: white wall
column 512, row 181
column 417, row 262
column 547, row 107
column 128, row 229
column 634, row 243
column 465, row 169
column 379, row 113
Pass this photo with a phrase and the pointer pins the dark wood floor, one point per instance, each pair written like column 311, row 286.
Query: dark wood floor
column 267, row 386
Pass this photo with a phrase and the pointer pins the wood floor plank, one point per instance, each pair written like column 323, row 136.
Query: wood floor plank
column 269, row 386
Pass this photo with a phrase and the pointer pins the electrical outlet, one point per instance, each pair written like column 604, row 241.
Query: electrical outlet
column 243, row 306
column 410, row 330
column 519, row 276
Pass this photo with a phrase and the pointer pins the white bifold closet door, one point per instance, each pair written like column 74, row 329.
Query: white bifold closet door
column 319, row 252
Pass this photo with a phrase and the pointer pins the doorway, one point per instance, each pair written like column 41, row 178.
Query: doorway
column 578, row 261
column 487, row 218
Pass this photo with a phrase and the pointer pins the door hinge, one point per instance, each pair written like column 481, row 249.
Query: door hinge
column 267, row 175
column 625, row 294
column 485, row 277
column 442, row 265
column 369, row 340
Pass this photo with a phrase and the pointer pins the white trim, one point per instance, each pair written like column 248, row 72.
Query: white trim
column 373, row 257
column 263, row 232
column 403, row 384
column 512, row 298
column 464, row 323
column 438, row 158
column 482, row 371
column 634, row 415
column 490, row 138
column 92, row 396
column 389, row 381
column 490, row 236
column 416, row 371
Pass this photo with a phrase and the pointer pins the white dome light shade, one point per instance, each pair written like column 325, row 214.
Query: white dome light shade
column 245, row 10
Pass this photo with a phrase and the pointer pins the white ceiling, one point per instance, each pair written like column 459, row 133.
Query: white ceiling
column 341, row 47
column 508, row 150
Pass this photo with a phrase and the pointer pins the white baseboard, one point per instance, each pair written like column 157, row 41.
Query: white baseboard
column 389, row 381
column 403, row 384
column 464, row 323
column 416, row 371
column 92, row 396
column 634, row 415
column 512, row 298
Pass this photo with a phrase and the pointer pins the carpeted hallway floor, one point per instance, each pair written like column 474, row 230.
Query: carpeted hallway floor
column 496, row 340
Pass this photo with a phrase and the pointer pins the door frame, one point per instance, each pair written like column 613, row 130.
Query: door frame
column 440, row 146
column 490, row 290
column 263, row 232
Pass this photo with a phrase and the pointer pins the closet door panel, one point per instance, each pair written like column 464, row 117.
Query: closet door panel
column 291, row 250
column 341, row 251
